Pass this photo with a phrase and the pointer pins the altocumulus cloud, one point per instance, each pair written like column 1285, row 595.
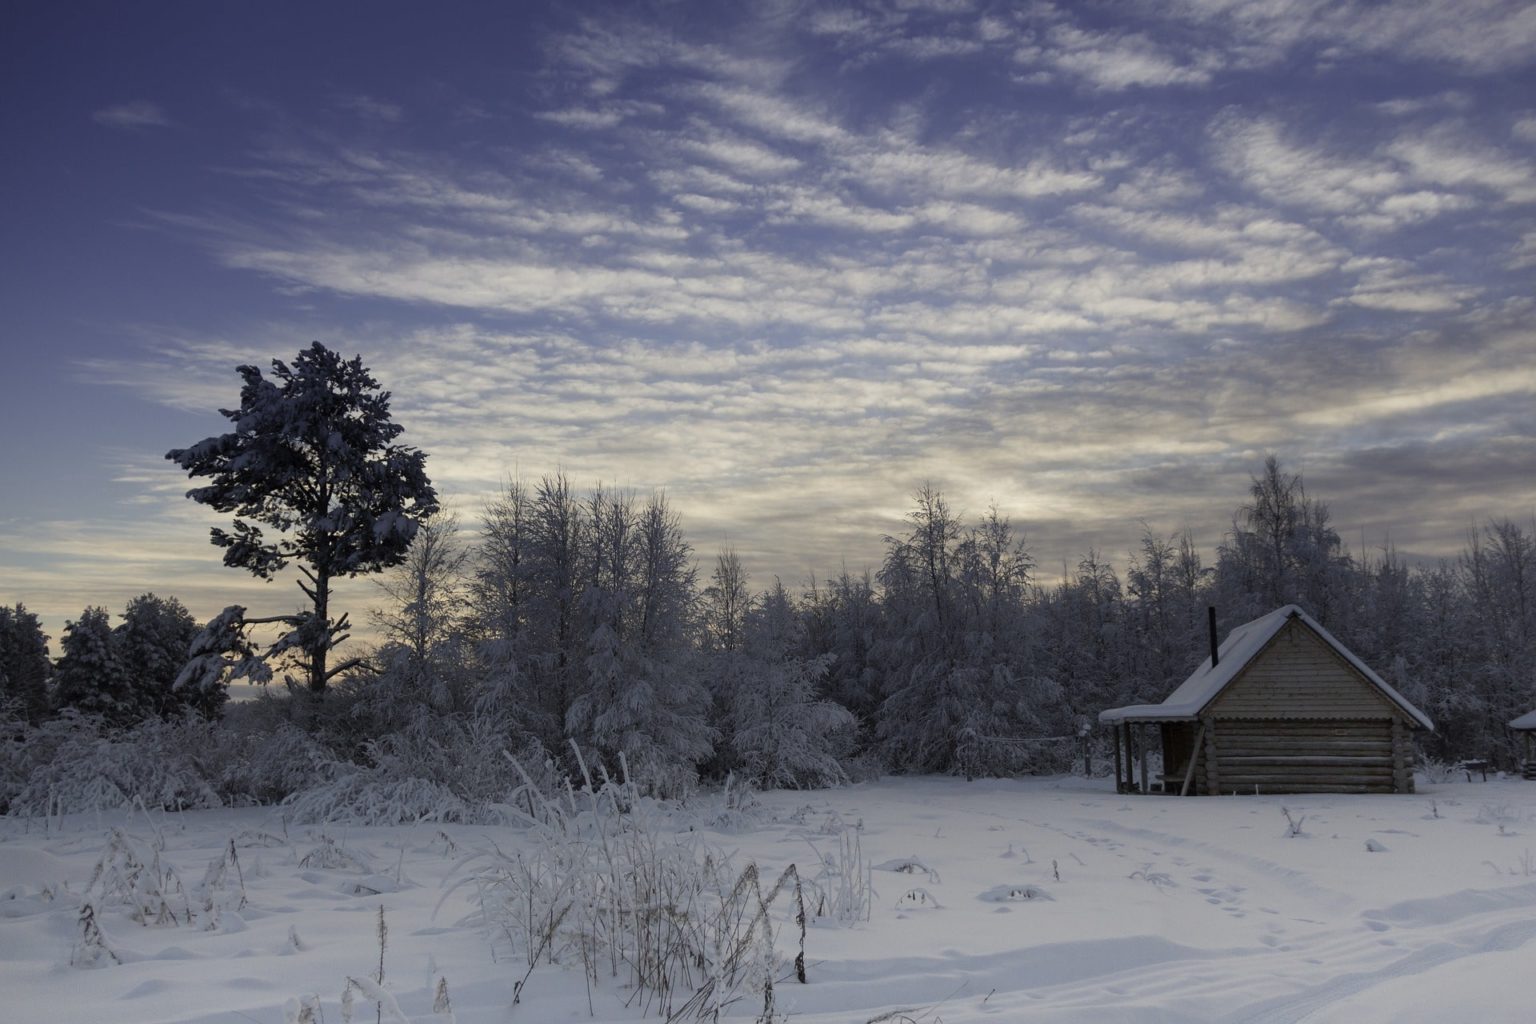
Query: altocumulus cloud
column 133, row 115
column 788, row 264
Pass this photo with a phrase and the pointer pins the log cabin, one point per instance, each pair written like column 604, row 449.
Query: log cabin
column 1281, row 706
column 1525, row 725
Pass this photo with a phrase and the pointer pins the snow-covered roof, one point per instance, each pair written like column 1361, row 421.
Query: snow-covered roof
column 1234, row 654
column 1525, row 721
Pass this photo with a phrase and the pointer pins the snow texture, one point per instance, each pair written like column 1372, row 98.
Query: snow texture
column 1037, row 900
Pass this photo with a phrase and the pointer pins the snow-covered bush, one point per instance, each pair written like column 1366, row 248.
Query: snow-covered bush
column 609, row 886
column 129, row 876
column 78, row 764
column 1435, row 770
column 446, row 768
column 267, row 765
column 359, row 795
column 15, row 758
column 783, row 734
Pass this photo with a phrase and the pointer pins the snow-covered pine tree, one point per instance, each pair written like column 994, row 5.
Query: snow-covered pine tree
column 313, row 458
column 24, row 665
column 153, row 642
column 844, row 619
column 89, row 677
column 782, row 731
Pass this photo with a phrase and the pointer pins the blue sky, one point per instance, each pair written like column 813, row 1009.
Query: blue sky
column 787, row 261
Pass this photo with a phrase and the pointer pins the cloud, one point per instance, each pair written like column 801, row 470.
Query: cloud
column 1452, row 99
column 742, row 156
column 1447, row 157
column 132, row 116
column 1523, row 252
column 1112, row 61
column 1396, row 286
column 769, row 113
column 370, row 109
column 787, row 282
column 1476, row 36
column 602, row 115
column 1259, row 153
column 1415, row 175
column 1421, row 398
column 1481, row 35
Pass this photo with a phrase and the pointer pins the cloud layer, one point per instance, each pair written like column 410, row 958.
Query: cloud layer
column 1088, row 263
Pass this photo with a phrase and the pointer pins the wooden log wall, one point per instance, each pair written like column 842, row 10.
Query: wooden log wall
column 1307, row 756
column 1298, row 674
column 1402, row 758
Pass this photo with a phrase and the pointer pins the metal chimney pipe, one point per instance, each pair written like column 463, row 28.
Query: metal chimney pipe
column 1210, row 618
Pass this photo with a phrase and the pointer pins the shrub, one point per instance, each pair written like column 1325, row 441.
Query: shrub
column 606, row 885
column 78, row 764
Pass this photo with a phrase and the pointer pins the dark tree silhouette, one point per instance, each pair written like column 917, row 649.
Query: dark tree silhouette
column 313, row 458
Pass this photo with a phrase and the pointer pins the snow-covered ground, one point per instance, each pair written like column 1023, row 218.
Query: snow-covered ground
column 1023, row 900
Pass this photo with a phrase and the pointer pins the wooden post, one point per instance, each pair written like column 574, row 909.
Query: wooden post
column 1141, row 741
column 1194, row 755
column 1212, row 778
column 1131, row 757
column 1119, row 774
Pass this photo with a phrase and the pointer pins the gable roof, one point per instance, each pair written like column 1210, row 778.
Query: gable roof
column 1524, row 722
column 1240, row 647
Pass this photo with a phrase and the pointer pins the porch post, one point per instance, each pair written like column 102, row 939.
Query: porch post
column 1119, row 775
column 1130, row 758
column 1141, row 741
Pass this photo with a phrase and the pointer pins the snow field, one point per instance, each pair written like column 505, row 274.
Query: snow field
column 997, row 900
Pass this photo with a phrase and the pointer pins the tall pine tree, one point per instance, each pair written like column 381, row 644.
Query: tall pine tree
column 90, row 676
column 24, row 667
column 313, row 458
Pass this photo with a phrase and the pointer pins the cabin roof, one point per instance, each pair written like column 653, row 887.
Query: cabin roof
column 1241, row 646
column 1524, row 722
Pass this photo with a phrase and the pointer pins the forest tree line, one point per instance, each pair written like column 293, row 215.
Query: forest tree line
column 578, row 620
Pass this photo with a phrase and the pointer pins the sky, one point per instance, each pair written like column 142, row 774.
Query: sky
column 785, row 261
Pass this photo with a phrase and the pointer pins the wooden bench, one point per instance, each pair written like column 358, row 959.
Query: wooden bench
column 1472, row 766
